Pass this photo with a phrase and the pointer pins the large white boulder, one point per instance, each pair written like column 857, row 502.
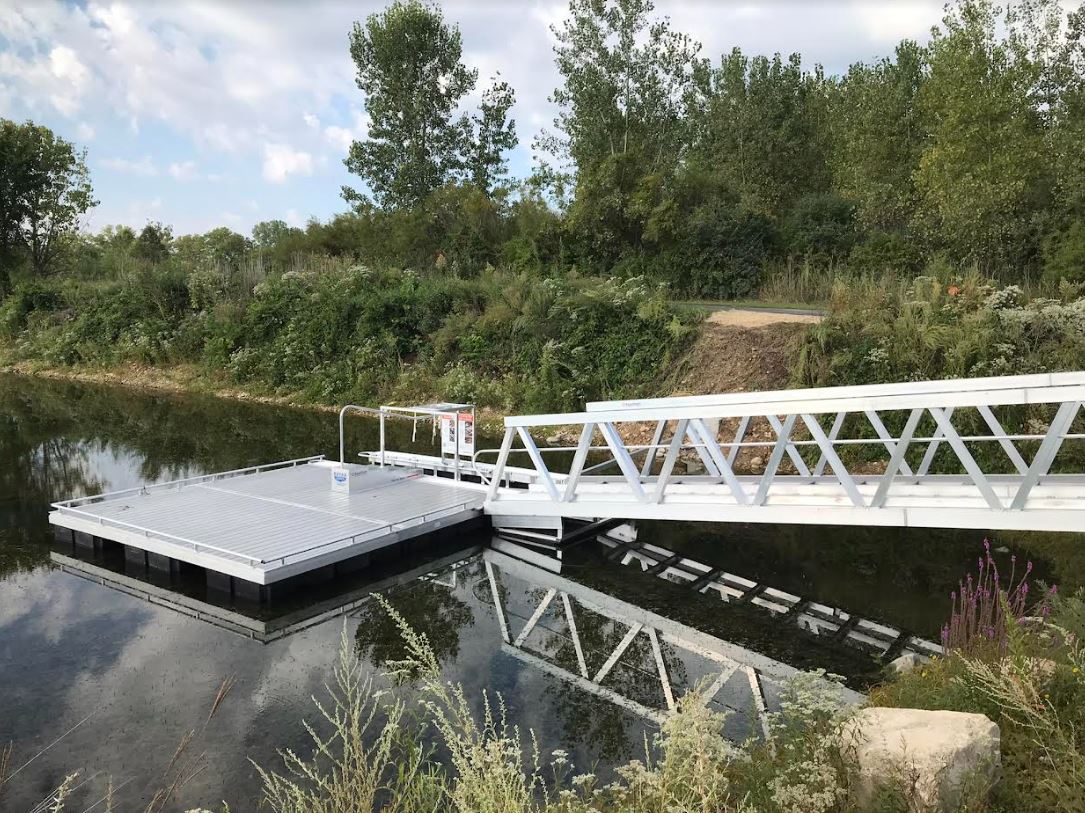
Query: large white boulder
column 933, row 755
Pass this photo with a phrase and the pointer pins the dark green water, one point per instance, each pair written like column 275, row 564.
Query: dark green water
column 146, row 673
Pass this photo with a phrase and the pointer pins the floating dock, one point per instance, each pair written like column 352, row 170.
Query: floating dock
column 268, row 523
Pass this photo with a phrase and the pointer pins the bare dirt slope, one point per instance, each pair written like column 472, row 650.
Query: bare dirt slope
column 729, row 357
column 734, row 358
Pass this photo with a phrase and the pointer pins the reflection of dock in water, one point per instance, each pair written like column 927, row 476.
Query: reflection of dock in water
column 730, row 675
column 881, row 640
column 442, row 569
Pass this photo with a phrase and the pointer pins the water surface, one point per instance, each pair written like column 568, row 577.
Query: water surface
column 133, row 675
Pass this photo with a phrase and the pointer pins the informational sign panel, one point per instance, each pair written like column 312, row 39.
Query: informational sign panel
column 465, row 426
column 448, row 434
column 467, row 434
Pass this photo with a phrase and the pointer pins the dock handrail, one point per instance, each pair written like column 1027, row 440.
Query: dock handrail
column 184, row 481
column 342, row 434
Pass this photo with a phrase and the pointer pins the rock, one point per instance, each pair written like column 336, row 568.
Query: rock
column 554, row 440
column 694, row 467
column 907, row 662
column 756, row 463
column 936, row 755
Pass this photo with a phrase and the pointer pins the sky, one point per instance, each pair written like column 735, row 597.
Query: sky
column 203, row 114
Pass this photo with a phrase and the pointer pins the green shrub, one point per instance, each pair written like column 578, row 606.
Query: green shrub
column 1064, row 254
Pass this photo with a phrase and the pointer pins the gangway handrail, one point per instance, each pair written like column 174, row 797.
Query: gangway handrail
column 840, row 402
column 934, row 386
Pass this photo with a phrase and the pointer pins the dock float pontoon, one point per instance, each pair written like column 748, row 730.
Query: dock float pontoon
column 269, row 523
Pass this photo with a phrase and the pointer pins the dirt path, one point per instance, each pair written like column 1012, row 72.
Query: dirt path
column 756, row 317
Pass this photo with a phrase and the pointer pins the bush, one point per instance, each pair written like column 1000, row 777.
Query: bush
column 346, row 332
column 820, row 226
column 943, row 326
column 1064, row 254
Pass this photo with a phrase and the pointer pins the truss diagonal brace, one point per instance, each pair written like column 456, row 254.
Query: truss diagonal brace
column 835, row 462
column 604, row 670
column 625, row 462
column 970, row 465
column 1045, row 455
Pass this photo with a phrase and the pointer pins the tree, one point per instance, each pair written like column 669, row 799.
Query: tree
column 153, row 244
column 492, row 133
column 985, row 175
column 763, row 128
column 225, row 247
column 44, row 189
column 621, row 115
column 268, row 234
column 879, row 137
column 409, row 68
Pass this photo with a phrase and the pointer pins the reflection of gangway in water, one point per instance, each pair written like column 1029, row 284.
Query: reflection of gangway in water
column 882, row 640
column 763, row 675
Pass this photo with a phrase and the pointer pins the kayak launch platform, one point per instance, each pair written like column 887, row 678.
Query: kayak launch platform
column 272, row 522
column 254, row 527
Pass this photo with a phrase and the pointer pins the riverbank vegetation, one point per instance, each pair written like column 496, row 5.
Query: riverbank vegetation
column 1015, row 657
column 959, row 160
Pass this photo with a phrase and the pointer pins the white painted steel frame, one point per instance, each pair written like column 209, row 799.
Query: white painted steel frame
column 821, row 491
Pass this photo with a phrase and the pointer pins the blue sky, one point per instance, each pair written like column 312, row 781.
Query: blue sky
column 217, row 113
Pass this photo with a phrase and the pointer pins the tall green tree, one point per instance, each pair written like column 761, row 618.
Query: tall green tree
column 878, row 137
column 763, row 128
column 985, row 175
column 1066, row 110
column 490, row 135
column 409, row 66
column 44, row 190
column 153, row 243
column 621, row 123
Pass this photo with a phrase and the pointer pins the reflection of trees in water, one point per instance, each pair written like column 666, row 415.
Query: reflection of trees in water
column 427, row 607
column 34, row 469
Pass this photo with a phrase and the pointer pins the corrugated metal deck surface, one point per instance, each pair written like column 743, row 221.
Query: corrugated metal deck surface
column 282, row 516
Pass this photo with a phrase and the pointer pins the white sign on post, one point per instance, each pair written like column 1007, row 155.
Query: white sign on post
column 448, row 434
column 467, row 434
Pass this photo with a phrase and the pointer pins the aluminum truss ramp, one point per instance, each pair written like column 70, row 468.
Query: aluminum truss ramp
column 988, row 453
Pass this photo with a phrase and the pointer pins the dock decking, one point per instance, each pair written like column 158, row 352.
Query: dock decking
column 269, row 523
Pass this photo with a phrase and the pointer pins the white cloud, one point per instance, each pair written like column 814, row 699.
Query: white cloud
column 183, row 170
column 891, row 22
column 144, row 167
column 282, row 160
column 339, row 137
column 310, row 120
column 292, row 217
column 84, row 132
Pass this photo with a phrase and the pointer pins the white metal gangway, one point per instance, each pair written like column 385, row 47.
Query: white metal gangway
column 986, row 453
